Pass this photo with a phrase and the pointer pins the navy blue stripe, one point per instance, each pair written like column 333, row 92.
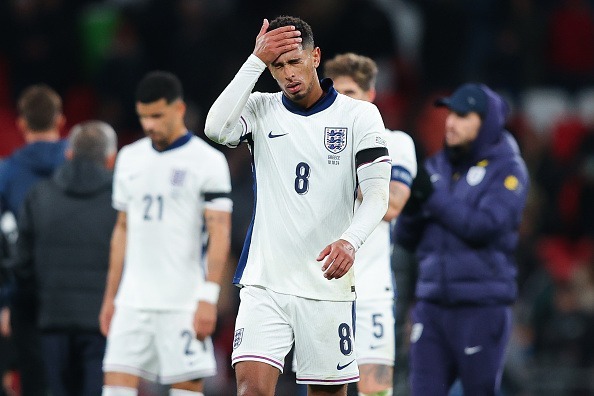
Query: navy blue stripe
column 177, row 143
column 401, row 174
column 322, row 104
column 245, row 251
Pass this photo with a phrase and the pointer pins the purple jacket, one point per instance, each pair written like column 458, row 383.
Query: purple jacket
column 467, row 231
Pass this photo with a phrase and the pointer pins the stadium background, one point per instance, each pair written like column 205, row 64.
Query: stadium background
column 538, row 53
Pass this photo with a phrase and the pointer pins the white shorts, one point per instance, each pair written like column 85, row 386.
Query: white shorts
column 157, row 345
column 268, row 324
column 374, row 332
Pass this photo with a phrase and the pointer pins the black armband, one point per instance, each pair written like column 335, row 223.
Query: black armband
column 369, row 155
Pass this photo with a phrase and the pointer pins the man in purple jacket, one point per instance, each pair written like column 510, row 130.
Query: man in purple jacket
column 462, row 223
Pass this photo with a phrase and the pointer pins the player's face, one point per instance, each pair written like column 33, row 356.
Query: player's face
column 295, row 73
column 461, row 129
column 347, row 86
column 161, row 121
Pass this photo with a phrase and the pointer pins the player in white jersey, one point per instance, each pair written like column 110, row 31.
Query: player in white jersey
column 355, row 75
column 310, row 146
column 160, row 301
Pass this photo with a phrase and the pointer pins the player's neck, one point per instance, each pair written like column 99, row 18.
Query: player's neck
column 316, row 94
column 51, row 135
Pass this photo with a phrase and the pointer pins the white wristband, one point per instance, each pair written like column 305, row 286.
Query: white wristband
column 209, row 292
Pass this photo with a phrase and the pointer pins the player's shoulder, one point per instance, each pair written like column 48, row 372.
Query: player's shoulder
column 138, row 147
column 353, row 104
column 265, row 98
column 398, row 136
column 203, row 149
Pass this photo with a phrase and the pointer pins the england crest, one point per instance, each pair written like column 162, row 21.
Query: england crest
column 237, row 338
column 177, row 177
column 335, row 139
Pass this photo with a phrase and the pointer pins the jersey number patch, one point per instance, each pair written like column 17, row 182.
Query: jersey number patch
column 302, row 180
column 153, row 207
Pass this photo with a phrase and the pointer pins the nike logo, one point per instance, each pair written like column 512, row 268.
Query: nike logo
column 473, row 350
column 339, row 367
column 272, row 136
column 375, row 346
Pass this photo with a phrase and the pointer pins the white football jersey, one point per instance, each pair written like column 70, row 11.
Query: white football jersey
column 305, row 185
column 162, row 194
column 373, row 272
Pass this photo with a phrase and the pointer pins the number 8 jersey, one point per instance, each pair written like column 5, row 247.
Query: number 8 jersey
column 305, row 183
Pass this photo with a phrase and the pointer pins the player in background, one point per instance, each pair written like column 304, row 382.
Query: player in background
column 160, row 307
column 355, row 76
column 309, row 146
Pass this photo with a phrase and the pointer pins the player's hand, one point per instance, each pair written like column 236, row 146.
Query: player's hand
column 205, row 319
column 270, row 45
column 105, row 315
column 340, row 257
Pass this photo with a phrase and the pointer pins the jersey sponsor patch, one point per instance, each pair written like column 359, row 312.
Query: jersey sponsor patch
column 237, row 338
column 335, row 139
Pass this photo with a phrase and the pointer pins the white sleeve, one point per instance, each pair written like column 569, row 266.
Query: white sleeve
column 223, row 123
column 119, row 195
column 404, row 159
column 218, row 186
column 374, row 181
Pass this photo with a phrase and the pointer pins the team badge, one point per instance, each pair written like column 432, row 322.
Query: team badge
column 237, row 338
column 177, row 177
column 475, row 175
column 511, row 183
column 335, row 139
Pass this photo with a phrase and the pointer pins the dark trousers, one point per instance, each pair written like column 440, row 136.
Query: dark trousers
column 73, row 362
column 27, row 342
column 458, row 342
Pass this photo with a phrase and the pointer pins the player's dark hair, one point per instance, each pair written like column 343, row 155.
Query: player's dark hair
column 307, row 37
column 158, row 85
column 40, row 106
column 361, row 69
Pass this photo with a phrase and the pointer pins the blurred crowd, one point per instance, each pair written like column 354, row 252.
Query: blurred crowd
column 538, row 54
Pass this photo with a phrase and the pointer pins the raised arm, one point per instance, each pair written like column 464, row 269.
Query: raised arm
column 223, row 120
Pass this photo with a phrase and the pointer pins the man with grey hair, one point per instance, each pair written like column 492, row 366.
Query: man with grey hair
column 62, row 256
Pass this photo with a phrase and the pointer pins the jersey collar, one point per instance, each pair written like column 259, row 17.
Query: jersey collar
column 180, row 141
column 322, row 104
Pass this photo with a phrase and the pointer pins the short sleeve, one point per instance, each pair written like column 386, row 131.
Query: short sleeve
column 120, row 196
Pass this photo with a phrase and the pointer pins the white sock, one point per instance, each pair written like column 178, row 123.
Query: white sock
column 183, row 392
column 112, row 390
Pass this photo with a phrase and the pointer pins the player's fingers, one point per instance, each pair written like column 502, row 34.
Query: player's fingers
column 283, row 32
column 264, row 27
column 335, row 270
column 329, row 261
column 324, row 253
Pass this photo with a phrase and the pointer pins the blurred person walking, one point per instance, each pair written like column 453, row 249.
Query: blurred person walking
column 160, row 303
column 40, row 119
column 62, row 256
column 462, row 221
